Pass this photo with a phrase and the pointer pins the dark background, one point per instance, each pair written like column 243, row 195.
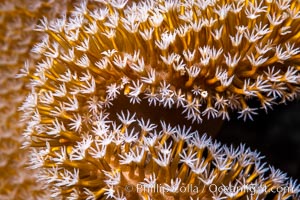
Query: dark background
column 276, row 135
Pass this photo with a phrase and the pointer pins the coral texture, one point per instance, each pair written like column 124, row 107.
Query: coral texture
column 18, row 18
column 203, row 57
column 16, row 182
column 135, row 159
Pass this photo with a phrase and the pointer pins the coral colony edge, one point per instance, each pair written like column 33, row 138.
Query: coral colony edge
column 18, row 18
column 204, row 58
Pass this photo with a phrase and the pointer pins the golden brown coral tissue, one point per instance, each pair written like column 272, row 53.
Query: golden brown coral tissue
column 204, row 57
column 17, row 21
